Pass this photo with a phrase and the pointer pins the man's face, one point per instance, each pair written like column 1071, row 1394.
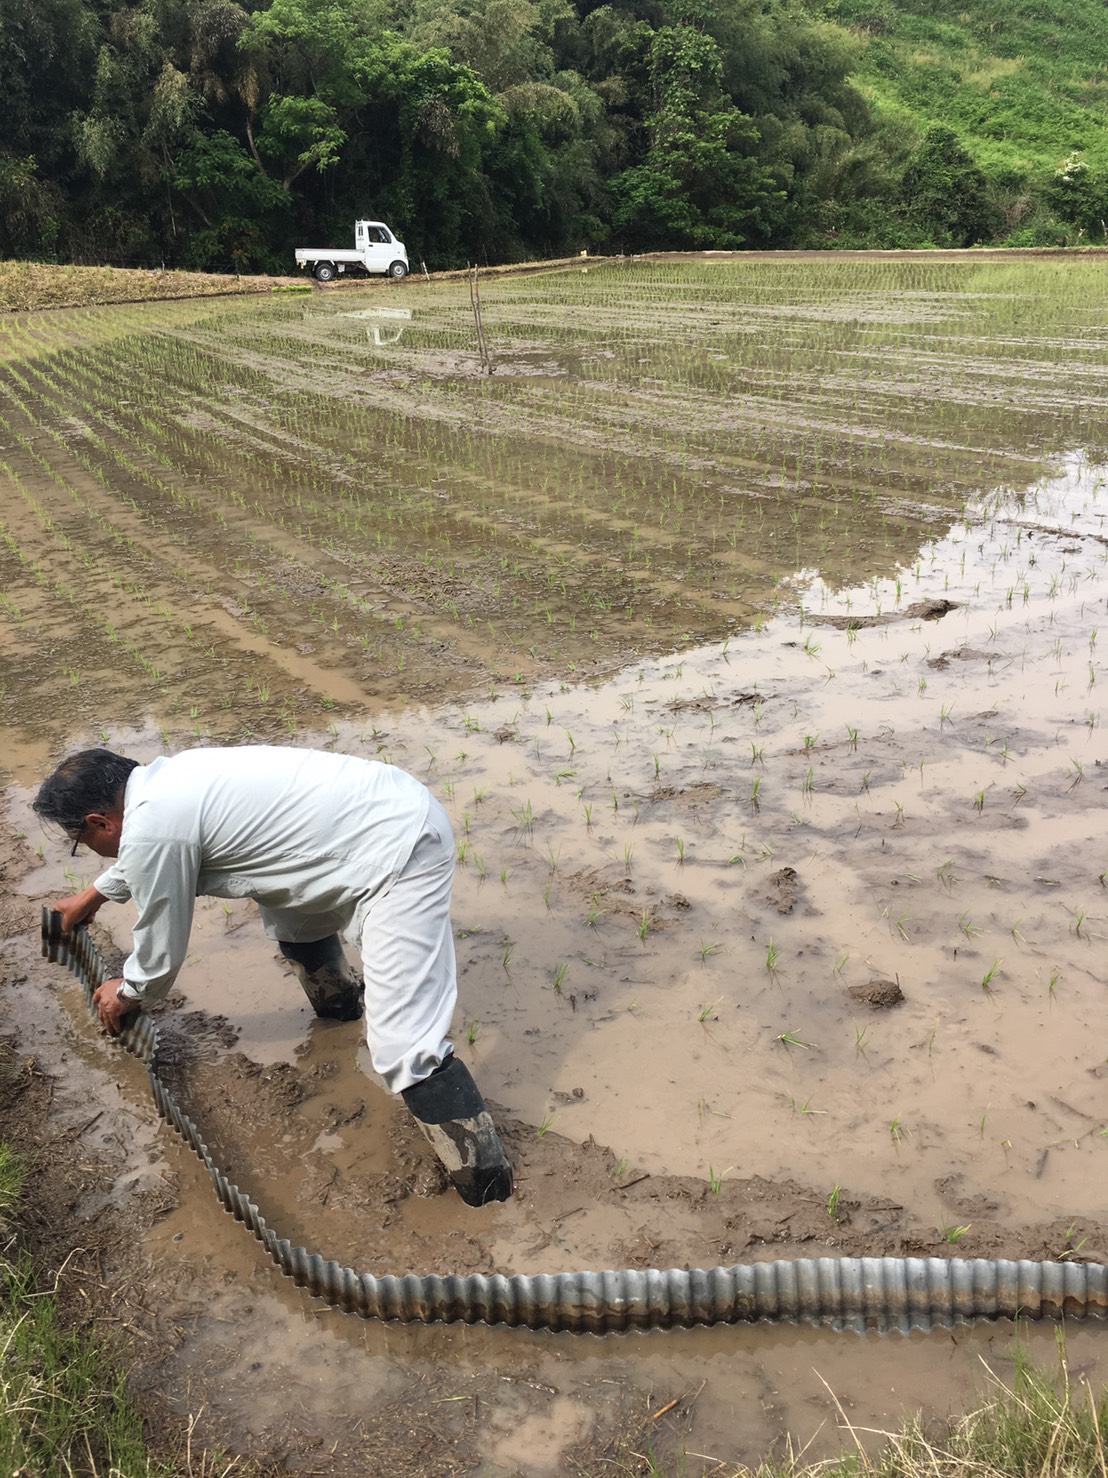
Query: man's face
column 101, row 833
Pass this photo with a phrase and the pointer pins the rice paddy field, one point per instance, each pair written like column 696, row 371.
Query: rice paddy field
column 745, row 613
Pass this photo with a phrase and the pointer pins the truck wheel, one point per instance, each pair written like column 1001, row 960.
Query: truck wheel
column 398, row 269
column 324, row 272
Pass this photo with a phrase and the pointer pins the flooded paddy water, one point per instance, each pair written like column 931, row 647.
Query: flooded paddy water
column 746, row 617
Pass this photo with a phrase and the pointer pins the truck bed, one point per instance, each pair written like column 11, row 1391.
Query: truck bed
column 328, row 254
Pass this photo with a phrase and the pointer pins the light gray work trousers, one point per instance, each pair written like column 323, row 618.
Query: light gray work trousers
column 411, row 983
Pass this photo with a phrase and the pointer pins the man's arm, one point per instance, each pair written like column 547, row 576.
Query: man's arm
column 79, row 908
column 163, row 878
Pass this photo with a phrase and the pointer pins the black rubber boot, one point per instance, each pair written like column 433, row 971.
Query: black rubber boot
column 451, row 1112
column 330, row 983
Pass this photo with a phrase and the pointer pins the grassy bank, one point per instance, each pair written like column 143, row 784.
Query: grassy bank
column 64, row 1407
column 1020, row 83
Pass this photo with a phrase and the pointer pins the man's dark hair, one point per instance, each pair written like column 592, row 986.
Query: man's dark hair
column 91, row 781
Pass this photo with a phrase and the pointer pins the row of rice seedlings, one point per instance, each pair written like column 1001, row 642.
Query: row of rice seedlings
column 38, row 569
column 150, row 587
column 258, row 503
column 691, row 519
column 162, row 492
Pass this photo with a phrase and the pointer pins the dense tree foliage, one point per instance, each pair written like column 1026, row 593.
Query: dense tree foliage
column 220, row 132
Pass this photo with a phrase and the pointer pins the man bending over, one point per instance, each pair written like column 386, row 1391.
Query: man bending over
column 323, row 843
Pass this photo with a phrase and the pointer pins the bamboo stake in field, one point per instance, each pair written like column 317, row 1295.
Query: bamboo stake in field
column 475, row 299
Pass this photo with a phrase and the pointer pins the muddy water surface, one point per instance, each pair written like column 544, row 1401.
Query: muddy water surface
column 782, row 938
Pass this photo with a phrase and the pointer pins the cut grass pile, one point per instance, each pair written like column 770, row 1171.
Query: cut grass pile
column 25, row 286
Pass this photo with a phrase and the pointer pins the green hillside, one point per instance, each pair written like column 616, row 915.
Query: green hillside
column 1022, row 83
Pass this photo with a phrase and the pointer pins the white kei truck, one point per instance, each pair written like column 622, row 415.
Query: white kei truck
column 376, row 249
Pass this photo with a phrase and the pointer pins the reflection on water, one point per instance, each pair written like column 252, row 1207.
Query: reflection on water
column 388, row 323
column 1020, row 530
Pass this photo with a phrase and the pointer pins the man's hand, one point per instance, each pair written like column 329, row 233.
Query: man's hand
column 114, row 1009
column 78, row 908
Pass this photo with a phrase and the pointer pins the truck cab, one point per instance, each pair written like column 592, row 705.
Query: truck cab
column 379, row 247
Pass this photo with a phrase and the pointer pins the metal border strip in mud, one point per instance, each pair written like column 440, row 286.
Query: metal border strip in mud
column 855, row 1293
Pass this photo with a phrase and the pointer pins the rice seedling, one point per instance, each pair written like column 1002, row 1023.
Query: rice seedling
column 525, row 819
column 715, row 1181
column 792, row 1039
column 1070, row 1247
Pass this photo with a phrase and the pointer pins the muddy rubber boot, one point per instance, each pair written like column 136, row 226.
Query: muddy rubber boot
column 451, row 1112
column 333, row 987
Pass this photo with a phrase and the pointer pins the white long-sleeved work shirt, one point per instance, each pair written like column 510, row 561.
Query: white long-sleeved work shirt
column 312, row 837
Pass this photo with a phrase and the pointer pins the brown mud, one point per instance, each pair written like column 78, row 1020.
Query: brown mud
column 784, row 944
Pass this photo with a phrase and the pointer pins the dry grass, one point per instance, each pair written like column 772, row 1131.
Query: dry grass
column 25, row 286
column 1038, row 1426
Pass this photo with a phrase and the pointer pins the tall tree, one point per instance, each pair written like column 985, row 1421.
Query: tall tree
column 699, row 183
column 944, row 195
column 47, row 52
